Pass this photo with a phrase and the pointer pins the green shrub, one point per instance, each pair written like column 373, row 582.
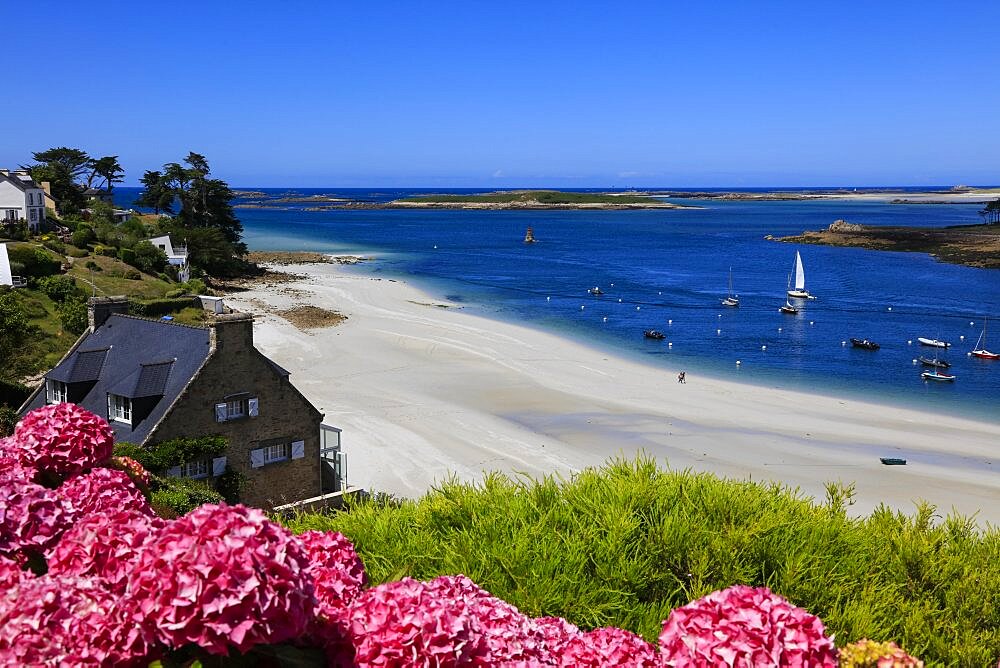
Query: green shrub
column 34, row 261
column 8, row 420
column 73, row 315
column 17, row 231
column 196, row 286
column 152, row 308
column 84, row 236
column 162, row 456
column 76, row 252
column 126, row 255
column 173, row 294
column 55, row 246
column 109, row 251
column 181, row 495
column 132, row 275
column 231, row 485
column 625, row 544
column 93, row 266
column 59, row 288
column 149, row 258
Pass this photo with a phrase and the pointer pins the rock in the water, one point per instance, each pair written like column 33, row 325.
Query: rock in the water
column 844, row 226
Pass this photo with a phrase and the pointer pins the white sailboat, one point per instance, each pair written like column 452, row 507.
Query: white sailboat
column 799, row 291
column 731, row 300
column 980, row 349
column 788, row 308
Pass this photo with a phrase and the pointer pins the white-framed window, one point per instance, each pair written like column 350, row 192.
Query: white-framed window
column 276, row 453
column 196, row 469
column 120, row 408
column 234, row 409
column 56, row 392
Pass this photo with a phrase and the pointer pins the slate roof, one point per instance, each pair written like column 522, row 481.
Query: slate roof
column 18, row 183
column 135, row 358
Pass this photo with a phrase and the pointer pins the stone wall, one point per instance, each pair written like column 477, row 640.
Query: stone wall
column 234, row 369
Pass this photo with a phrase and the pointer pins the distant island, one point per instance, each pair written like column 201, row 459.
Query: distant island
column 536, row 199
column 969, row 245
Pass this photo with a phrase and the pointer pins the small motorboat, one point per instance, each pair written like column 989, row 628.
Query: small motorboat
column 653, row 334
column 529, row 236
column 788, row 308
column 892, row 461
column 940, row 364
column 595, row 291
column 864, row 343
column 934, row 343
column 938, row 376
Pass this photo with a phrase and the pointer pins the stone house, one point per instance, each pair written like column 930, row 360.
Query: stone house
column 21, row 199
column 155, row 380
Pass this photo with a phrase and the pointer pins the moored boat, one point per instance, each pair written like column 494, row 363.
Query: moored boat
column 731, row 299
column 529, row 236
column 653, row 334
column 788, row 308
column 938, row 376
column 940, row 364
column 864, row 343
column 934, row 343
column 980, row 350
column 595, row 291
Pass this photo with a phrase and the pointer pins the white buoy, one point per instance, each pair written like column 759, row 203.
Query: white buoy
column 637, row 308
column 670, row 322
column 660, row 292
column 605, row 318
column 962, row 338
column 670, row 345
column 890, row 308
column 582, row 307
column 720, row 315
column 843, row 343
column 718, row 331
column 810, row 322
column 738, row 362
column 612, row 285
column 914, row 361
column 779, row 330
column 548, row 299
column 619, row 300
column 968, row 354
column 763, row 347
column 435, row 247
column 971, row 323
column 909, row 342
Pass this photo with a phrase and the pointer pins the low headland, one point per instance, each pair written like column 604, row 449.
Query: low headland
column 536, row 199
column 969, row 245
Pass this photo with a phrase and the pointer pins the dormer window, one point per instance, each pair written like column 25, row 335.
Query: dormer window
column 119, row 408
column 236, row 407
column 56, row 392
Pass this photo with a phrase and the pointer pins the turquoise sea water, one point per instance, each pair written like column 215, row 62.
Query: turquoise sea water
column 667, row 269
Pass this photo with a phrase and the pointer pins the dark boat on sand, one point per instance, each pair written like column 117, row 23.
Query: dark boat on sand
column 892, row 461
column 864, row 343
column 653, row 334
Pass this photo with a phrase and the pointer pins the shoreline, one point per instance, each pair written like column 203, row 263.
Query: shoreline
column 424, row 390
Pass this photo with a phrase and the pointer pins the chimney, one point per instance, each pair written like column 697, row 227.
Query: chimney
column 232, row 333
column 100, row 308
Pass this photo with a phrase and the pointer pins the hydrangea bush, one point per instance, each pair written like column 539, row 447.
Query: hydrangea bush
column 89, row 576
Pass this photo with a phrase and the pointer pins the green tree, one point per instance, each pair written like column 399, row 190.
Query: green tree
column 205, row 215
column 83, row 236
column 106, row 168
column 73, row 315
column 16, row 333
column 991, row 214
column 60, row 288
column 149, row 258
column 62, row 167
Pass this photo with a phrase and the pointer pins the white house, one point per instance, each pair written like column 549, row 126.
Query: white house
column 176, row 255
column 21, row 199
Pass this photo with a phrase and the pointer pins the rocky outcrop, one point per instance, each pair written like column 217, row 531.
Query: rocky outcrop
column 842, row 226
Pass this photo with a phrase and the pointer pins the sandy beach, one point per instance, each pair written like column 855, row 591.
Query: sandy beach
column 424, row 390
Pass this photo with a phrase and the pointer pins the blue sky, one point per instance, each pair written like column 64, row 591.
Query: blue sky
column 515, row 94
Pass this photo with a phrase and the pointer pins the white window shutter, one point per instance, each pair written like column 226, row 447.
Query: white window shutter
column 252, row 407
column 218, row 466
column 298, row 449
column 174, row 471
column 220, row 412
column 257, row 458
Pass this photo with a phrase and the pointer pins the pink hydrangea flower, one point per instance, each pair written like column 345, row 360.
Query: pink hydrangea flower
column 10, row 461
column 410, row 623
column 555, row 634
column 104, row 545
column 10, row 574
column 336, row 570
column 63, row 438
column 135, row 470
column 745, row 626
column 52, row 621
column 32, row 518
column 221, row 577
column 609, row 647
column 103, row 490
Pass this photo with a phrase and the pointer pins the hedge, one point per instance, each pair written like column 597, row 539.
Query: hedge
column 157, row 307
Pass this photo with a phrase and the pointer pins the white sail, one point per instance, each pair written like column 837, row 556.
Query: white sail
column 800, row 273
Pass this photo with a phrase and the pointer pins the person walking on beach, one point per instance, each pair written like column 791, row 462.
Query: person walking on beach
column 681, row 378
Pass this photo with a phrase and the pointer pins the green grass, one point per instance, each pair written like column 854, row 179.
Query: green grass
column 47, row 349
column 542, row 196
column 625, row 544
column 110, row 281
